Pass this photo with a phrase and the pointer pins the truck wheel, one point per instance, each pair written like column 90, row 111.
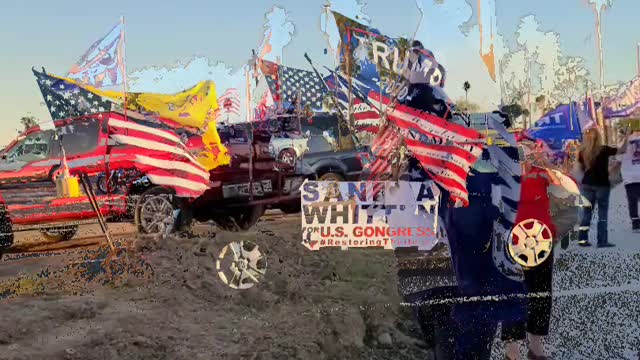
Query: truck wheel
column 59, row 234
column 240, row 220
column 155, row 211
column 287, row 156
column 331, row 176
column 101, row 184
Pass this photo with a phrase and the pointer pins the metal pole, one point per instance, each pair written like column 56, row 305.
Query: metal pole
column 638, row 57
column 529, row 96
column 335, row 102
column 250, row 136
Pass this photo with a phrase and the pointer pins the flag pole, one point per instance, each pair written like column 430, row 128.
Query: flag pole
column 332, row 97
column 124, row 66
column 350, row 109
column 638, row 57
column 250, row 137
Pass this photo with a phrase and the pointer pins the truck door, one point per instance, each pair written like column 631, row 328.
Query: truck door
column 25, row 176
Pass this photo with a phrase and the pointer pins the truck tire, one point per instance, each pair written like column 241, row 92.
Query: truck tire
column 155, row 211
column 331, row 176
column 239, row 220
column 287, row 157
column 59, row 234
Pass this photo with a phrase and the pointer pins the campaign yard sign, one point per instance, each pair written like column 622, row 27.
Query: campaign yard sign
column 371, row 214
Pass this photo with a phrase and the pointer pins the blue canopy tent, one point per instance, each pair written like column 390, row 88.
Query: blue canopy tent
column 558, row 126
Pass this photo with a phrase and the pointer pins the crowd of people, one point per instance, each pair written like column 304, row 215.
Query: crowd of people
column 522, row 308
column 596, row 168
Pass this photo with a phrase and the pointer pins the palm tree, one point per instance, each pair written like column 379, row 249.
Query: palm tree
column 598, row 7
column 466, row 86
column 28, row 122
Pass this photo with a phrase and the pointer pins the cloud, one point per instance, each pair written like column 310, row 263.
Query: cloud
column 181, row 76
column 278, row 32
column 353, row 9
column 456, row 45
column 185, row 74
column 543, row 47
column 599, row 5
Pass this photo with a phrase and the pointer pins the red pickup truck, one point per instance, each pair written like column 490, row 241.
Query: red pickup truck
column 30, row 201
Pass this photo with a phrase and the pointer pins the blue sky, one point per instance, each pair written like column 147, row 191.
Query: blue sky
column 164, row 37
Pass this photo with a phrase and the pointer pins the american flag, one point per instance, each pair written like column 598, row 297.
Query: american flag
column 65, row 100
column 285, row 82
column 447, row 151
column 366, row 118
column 157, row 152
column 230, row 101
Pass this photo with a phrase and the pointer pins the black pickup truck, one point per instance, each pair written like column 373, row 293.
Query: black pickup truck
column 323, row 156
column 329, row 163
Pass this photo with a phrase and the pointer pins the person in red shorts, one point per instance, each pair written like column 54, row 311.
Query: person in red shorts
column 534, row 204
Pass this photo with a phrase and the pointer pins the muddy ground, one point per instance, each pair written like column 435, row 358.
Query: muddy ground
column 163, row 299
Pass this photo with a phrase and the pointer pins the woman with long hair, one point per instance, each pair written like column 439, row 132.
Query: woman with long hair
column 593, row 161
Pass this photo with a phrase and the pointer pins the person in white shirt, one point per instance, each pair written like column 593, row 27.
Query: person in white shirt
column 631, row 176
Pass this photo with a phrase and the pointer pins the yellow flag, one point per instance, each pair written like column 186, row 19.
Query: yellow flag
column 214, row 154
column 195, row 107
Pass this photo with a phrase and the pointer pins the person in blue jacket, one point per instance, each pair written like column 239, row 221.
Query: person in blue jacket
column 485, row 291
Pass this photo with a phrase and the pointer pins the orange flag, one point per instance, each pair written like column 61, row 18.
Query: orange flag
column 488, row 56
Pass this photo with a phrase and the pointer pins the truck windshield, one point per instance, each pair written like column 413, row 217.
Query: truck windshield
column 34, row 147
column 80, row 137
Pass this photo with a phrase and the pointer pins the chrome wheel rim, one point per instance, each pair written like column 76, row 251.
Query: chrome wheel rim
column 530, row 243
column 241, row 265
column 287, row 158
column 156, row 215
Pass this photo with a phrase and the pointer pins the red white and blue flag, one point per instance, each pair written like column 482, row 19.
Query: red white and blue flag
column 229, row 102
column 156, row 152
column 447, row 151
column 367, row 118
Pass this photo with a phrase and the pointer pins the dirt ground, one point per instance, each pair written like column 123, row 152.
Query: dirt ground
column 163, row 299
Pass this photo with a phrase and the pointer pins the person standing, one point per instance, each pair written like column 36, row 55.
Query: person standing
column 571, row 155
column 534, row 204
column 593, row 160
column 631, row 176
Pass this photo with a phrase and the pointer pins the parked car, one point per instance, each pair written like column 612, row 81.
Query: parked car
column 30, row 164
column 289, row 147
column 330, row 163
column 27, row 168
column 273, row 186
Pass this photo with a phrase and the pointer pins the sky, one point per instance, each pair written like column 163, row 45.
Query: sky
column 171, row 45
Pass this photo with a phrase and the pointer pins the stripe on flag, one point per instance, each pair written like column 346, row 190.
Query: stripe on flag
column 230, row 101
column 365, row 116
column 171, row 164
column 159, row 154
column 447, row 151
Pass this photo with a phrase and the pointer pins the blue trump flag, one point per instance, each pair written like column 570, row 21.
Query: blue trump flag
column 558, row 126
column 378, row 63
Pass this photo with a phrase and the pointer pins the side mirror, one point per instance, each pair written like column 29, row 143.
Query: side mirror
column 4, row 157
